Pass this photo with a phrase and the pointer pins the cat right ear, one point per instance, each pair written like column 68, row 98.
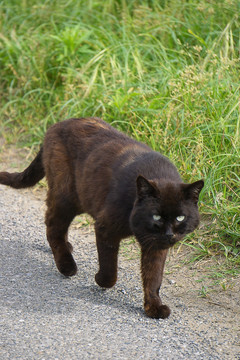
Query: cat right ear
column 144, row 188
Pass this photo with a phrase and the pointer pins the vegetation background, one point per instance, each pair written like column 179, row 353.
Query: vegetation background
column 164, row 71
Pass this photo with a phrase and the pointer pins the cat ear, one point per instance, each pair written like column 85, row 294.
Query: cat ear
column 192, row 191
column 144, row 187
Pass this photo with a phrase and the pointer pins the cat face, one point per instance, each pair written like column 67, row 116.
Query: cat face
column 164, row 212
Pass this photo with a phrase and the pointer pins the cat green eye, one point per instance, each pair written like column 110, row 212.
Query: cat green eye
column 180, row 218
column 156, row 217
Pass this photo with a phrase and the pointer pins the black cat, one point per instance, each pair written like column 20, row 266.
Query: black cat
column 128, row 189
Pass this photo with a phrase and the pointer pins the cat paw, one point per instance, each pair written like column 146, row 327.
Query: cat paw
column 66, row 265
column 105, row 281
column 157, row 312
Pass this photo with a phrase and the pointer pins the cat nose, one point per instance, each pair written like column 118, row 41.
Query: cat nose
column 169, row 234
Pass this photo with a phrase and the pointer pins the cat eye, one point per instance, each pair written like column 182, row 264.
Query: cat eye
column 156, row 217
column 180, row 218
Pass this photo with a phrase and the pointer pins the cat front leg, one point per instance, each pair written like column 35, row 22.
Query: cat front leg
column 152, row 265
column 107, row 247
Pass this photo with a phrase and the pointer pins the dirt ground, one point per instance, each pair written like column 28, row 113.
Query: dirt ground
column 197, row 286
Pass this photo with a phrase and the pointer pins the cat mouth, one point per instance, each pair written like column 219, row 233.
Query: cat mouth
column 167, row 242
column 172, row 241
column 164, row 242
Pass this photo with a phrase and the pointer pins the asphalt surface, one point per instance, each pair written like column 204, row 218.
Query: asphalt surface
column 46, row 316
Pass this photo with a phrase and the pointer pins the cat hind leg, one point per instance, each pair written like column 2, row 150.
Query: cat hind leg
column 58, row 218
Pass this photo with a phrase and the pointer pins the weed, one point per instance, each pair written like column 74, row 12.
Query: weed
column 203, row 291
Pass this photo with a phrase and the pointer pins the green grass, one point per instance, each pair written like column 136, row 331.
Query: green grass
column 164, row 71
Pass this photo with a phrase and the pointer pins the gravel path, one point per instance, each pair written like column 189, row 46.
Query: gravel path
column 46, row 316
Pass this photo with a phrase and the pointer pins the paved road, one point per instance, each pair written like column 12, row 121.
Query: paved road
column 46, row 316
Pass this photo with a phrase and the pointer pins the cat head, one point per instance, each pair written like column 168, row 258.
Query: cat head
column 164, row 212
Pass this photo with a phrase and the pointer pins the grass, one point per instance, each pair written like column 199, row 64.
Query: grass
column 166, row 72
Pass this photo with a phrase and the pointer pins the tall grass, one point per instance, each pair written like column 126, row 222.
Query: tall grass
column 166, row 72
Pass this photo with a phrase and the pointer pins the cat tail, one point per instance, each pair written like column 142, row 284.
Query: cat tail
column 27, row 178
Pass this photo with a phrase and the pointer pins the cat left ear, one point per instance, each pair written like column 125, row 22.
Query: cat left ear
column 193, row 190
column 144, row 187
